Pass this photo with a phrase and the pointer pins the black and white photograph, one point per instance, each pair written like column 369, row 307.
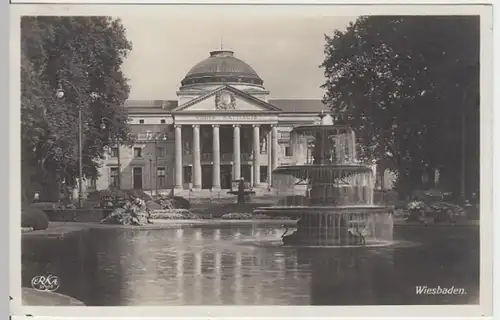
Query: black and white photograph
column 231, row 155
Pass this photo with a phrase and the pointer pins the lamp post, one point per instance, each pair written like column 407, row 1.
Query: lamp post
column 60, row 95
column 117, row 142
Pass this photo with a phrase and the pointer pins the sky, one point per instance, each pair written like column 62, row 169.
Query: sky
column 284, row 49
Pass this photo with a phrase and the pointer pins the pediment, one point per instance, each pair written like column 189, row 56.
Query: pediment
column 226, row 99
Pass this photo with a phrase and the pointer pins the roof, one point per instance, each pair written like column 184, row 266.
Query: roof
column 167, row 106
column 299, row 105
column 220, row 67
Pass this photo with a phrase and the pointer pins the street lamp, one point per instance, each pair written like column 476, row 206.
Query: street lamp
column 60, row 95
column 115, row 140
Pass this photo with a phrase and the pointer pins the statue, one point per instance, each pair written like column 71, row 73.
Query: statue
column 263, row 145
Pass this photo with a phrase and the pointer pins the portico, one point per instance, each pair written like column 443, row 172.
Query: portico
column 212, row 150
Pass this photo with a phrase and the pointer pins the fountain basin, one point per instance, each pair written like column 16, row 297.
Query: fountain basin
column 298, row 211
column 336, row 225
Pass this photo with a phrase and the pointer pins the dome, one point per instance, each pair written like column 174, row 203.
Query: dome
column 222, row 67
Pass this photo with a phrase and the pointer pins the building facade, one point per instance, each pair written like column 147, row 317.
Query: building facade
column 223, row 126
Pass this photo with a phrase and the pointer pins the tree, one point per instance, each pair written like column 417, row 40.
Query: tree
column 82, row 56
column 400, row 82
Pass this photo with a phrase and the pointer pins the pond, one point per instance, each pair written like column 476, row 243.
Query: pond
column 246, row 265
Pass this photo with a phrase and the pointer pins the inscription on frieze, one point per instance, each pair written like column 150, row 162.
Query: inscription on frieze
column 227, row 118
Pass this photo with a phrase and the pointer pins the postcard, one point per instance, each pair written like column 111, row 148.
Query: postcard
column 246, row 159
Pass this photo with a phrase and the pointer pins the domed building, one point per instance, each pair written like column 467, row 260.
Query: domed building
column 223, row 126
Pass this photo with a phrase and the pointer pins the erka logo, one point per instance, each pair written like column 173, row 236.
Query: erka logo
column 48, row 283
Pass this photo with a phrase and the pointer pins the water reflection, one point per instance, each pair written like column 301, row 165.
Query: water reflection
column 214, row 266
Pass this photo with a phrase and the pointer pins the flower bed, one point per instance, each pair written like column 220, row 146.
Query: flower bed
column 175, row 214
column 173, row 202
column 438, row 212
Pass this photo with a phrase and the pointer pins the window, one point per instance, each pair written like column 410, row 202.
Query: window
column 137, row 152
column 160, row 152
column 141, row 121
column 288, row 151
column 93, row 183
column 114, row 152
column 113, row 177
column 161, row 177
column 163, row 121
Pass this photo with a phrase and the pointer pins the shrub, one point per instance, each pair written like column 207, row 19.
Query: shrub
column 152, row 205
column 116, row 198
column 129, row 214
column 108, row 199
column 181, row 203
column 173, row 202
column 32, row 217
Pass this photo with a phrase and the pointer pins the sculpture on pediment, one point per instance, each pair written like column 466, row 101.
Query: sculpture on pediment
column 225, row 101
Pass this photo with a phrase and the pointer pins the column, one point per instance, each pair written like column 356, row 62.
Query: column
column 274, row 132
column 215, row 157
column 236, row 152
column 256, row 155
column 178, row 157
column 196, row 157
column 251, row 175
column 269, row 159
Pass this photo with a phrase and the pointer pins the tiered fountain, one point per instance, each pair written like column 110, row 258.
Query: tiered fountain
column 338, row 190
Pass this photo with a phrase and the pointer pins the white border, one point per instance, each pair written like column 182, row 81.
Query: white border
column 485, row 307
